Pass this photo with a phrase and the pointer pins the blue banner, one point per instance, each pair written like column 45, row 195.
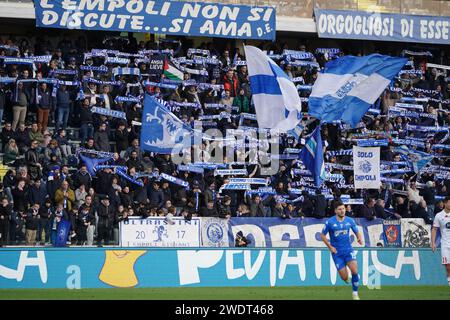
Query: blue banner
column 62, row 233
column 342, row 24
column 297, row 232
column 76, row 268
column 166, row 17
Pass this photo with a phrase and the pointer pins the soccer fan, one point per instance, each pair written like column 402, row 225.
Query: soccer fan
column 442, row 222
column 342, row 252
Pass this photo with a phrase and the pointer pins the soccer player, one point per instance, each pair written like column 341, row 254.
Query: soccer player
column 442, row 222
column 341, row 249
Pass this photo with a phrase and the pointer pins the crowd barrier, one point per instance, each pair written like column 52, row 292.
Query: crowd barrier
column 76, row 268
column 266, row 232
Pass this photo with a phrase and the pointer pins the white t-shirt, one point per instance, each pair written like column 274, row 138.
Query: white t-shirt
column 442, row 221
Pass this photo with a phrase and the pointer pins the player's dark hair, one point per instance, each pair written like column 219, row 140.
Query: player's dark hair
column 337, row 204
column 447, row 198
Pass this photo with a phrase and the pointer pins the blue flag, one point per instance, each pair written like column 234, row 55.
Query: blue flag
column 312, row 156
column 350, row 85
column 417, row 159
column 92, row 162
column 62, row 233
column 161, row 130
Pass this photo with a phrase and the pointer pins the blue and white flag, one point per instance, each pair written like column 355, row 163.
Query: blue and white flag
column 418, row 159
column 312, row 156
column 161, row 129
column 275, row 96
column 92, row 163
column 350, row 85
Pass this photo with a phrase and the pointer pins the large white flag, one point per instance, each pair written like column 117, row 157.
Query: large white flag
column 275, row 96
column 366, row 167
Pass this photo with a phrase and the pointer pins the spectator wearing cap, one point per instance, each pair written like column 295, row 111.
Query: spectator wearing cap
column 101, row 139
column 65, row 196
column 63, row 107
column 105, row 221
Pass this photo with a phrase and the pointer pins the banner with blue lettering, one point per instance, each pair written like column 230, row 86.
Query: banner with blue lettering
column 166, row 17
column 342, row 24
column 392, row 233
column 297, row 232
column 366, row 167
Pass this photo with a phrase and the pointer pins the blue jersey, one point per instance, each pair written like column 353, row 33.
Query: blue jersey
column 340, row 233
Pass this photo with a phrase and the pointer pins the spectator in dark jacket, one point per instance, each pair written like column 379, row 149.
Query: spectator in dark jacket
column 156, row 196
column 101, row 139
column 368, row 209
column 429, row 195
column 320, row 205
column 45, row 104
column 20, row 196
column 37, row 193
column 7, row 134
column 31, row 225
column 63, row 107
column 86, row 121
column 105, row 221
column 5, row 214
column 257, row 207
column 210, row 210
column 121, row 135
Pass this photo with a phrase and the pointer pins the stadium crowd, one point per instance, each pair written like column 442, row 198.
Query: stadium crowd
column 42, row 102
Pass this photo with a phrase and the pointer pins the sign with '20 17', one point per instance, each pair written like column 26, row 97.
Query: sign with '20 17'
column 166, row 17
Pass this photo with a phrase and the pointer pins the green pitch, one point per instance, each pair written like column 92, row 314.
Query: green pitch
column 247, row 293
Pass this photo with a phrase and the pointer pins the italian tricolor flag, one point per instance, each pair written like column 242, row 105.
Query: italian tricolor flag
column 171, row 72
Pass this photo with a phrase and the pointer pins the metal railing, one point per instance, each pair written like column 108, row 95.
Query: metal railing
column 304, row 8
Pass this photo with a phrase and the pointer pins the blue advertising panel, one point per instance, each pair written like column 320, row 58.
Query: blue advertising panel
column 342, row 24
column 298, row 232
column 166, row 17
column 76, row 268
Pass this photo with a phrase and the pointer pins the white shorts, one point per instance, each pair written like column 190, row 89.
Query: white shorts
column 445, row 252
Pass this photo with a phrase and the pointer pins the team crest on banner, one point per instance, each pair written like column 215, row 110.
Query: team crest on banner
column 392, row 233
column 214, row 232
column 161, row 129
column 366, row 167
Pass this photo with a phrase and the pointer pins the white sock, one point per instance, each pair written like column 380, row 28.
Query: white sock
column 448, row 279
